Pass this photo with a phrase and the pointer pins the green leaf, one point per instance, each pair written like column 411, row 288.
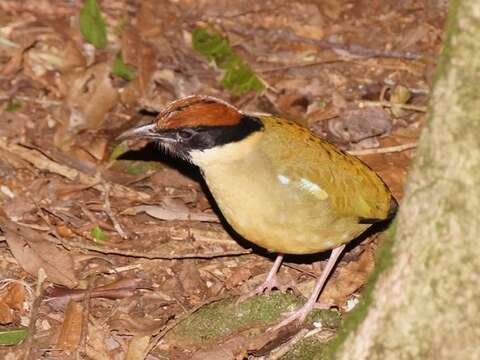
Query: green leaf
column 92, row 25
column 119, row 68
column 238, row 76
column 13, row 105
column 98, row 234
column 12, row 336
column 136, row 169
column 118, row 151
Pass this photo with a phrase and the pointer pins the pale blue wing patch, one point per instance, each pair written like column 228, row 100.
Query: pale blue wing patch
column 313, row 188
column 284, row 180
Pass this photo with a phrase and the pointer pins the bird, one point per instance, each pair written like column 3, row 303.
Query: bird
column 277, row 184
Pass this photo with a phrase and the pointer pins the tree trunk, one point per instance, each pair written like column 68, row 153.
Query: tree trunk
column 427, row 304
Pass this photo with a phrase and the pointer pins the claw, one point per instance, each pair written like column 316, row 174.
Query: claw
column 270, row 283
column 292, row 316
column 265, row 288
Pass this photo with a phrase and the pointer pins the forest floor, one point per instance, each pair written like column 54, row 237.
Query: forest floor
column 115, row 253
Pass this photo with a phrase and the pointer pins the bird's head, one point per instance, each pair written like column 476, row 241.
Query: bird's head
column 196, row 124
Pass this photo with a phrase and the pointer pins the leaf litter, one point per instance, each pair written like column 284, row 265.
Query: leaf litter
column 132, row 251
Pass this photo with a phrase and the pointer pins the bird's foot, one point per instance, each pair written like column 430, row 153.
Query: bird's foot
column 266, row 288
column 301, row 313
column 296, row 315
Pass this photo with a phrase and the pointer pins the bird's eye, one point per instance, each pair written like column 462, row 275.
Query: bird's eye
column 185, row 134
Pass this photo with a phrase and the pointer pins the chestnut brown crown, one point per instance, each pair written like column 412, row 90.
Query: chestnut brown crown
column 198, row 110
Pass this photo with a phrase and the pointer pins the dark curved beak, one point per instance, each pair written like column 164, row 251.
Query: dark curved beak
column 144, row 131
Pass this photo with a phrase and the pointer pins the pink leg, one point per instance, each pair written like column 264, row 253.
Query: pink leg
column 301, row 313
column 270, row 282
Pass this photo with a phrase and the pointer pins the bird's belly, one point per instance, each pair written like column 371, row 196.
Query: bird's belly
column 279, row 217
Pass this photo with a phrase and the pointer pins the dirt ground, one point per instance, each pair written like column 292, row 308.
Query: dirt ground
column 110, row 252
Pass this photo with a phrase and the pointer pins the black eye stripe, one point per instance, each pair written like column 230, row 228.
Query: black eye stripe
column 206, row 137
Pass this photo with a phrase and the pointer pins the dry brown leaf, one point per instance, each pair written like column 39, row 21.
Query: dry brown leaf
column 137, row 348
column 49, row 54
column 190, row 278
column 14, row 64
column 16, row 208
column 142, row 55
column 32, row 253
column 170, row 177
column 354, row 125
column 12, row 297
column 167, row 213
column 90, row 95
column 135, row 324
column 118, row 289
column 71, row 332
column 98, row 147
column 239, row 275
column 96, row 345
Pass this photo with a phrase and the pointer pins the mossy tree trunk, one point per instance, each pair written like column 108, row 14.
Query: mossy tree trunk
column 426, row 305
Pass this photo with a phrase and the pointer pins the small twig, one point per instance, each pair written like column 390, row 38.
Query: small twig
column 34, row 314
column 124, row 268
column 284, row 348
column 389, row 104
column 85, row 315
column 108, row 210
column 299, row 269
column 139, row 254
column 384, row 150
column 30, row 99
column 355, row 50
column 418, row 91
column 33, row 226
column 308, row 64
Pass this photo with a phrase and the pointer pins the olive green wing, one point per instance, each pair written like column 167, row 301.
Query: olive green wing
column 351, row 188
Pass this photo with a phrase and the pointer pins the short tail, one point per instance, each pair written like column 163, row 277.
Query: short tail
column 392, row 211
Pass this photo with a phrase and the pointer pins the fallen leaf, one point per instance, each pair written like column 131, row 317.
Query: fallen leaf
column 124, row 322
column 97, row 147
column 190, row 278
column 137, row 348
column 239, row 275
column 92, row 25
column 90, row 95
column 12, row 336
column 143, row 57
column 71, row 331
column 120, row 69
column 96, row 344
column 32, row 253
column 98, row 234
column 116, row 290
column 400, row 95
column 12, row 297
column 354, row 125
column 164, row 213
column 238, row 77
